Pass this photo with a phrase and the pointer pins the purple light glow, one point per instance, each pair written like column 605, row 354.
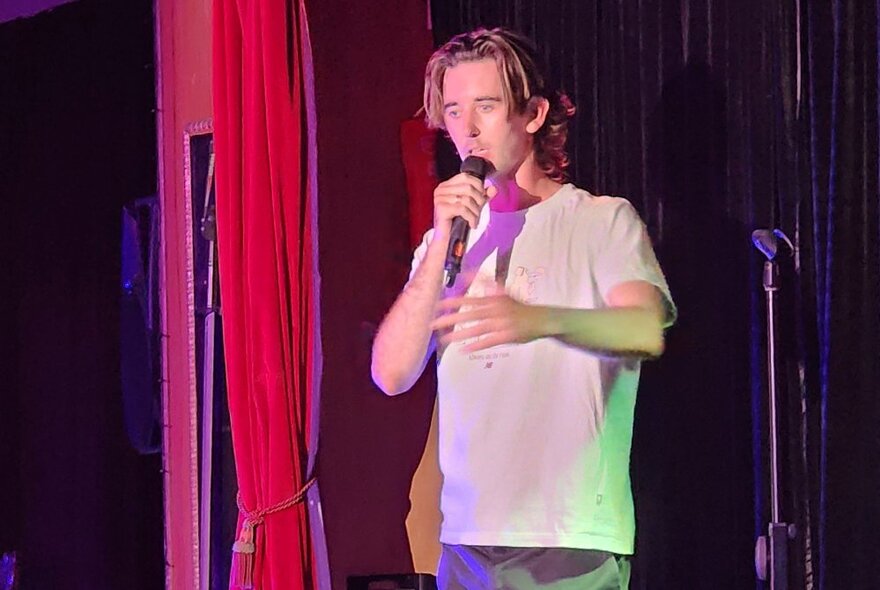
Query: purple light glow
column 13, row 9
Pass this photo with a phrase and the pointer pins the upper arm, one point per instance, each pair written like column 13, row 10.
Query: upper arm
column 627, row 271
column 640, row 294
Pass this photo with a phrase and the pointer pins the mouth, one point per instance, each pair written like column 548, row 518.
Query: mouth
column 478, row 151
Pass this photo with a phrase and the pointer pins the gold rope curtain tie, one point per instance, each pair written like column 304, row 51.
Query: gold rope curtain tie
column 245, row 546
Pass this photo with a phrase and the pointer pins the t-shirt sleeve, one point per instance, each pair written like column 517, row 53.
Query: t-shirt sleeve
column 419, row 253
column 627, row 255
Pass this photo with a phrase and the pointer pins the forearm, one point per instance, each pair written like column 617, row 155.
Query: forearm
column 403, row 342
column 623, row 331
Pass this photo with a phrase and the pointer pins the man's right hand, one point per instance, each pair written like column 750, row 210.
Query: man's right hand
column 462, row 196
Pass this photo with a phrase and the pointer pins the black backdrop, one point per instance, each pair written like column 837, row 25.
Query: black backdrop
column 77, row 141
column 717, row 117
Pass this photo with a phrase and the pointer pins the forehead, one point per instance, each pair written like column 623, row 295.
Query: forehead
column 471, row 79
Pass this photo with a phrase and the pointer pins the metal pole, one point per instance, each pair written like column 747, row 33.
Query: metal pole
column 207, row 445
column 770, row 276
column 771, row 551
column 209, row 234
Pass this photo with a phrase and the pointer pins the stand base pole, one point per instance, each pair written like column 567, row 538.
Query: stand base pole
column 771, row 554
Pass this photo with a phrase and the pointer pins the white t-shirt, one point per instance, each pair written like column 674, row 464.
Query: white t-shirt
column 535, row 438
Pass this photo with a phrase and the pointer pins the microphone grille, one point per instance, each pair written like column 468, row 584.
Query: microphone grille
column 475, row 166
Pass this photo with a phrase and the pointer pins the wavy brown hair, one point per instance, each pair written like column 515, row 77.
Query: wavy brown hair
column 521, row 81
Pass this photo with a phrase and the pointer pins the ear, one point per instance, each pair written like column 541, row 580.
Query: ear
column 538, row 108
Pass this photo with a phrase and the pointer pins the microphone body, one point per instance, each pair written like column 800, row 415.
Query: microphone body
column 458, row 235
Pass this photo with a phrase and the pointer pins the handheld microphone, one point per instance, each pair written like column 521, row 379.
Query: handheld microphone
column 458, row 236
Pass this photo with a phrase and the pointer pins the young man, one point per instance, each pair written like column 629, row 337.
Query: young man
column 539, row 341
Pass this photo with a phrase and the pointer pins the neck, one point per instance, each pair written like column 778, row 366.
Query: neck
column 528, row 186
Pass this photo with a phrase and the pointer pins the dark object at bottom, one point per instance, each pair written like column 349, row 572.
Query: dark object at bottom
column 9, row 571
column 392, row 582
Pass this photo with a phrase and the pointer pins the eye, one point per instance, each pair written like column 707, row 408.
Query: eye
column 453, row 113
column 486, row 108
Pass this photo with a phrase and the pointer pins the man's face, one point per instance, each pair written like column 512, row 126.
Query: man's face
column 476, row 117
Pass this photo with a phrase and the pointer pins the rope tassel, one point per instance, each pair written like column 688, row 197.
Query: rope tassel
column 243, row 553
column 244, row 550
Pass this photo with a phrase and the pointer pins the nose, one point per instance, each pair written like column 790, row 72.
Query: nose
column 470, row 125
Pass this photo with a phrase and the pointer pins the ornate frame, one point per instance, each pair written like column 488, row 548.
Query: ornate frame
column 193, row 130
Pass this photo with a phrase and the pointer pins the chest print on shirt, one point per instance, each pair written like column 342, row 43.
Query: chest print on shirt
column 522, row 285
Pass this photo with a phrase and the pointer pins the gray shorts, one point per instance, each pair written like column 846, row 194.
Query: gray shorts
column 464, row 567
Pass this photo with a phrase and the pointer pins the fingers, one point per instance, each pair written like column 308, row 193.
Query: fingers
column 451, row 319
column 483, row 319
column 493, row 339
column 475, row 331
column 456, row 302
column 460, row 196
column 477, row 309
column 481, row 336
column 483, row 322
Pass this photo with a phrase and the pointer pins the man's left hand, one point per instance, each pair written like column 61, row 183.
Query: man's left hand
column 492, row 320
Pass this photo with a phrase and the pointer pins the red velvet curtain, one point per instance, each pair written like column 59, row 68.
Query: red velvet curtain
column 266, row 261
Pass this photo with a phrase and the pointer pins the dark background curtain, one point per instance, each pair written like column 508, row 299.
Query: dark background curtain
column 77, row 142
column 839, row 217
column 717, row 117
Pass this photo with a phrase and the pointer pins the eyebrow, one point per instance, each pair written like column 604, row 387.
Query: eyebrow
column 478, row 99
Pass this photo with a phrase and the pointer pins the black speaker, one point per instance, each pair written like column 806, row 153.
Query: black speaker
column 392, row 582
column 140, row 326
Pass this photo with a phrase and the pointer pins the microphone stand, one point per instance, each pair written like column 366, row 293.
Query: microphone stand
column 208, row 231
column 771, row 550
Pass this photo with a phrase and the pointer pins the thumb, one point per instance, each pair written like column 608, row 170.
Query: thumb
column 491, row 191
